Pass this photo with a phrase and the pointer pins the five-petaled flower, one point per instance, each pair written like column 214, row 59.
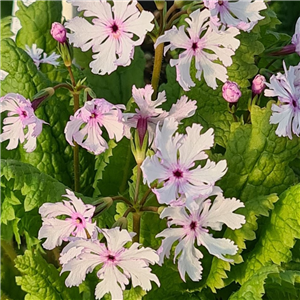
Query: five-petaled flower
column 21, row 123
column 85, row 126
column 148, row 114
column 287, row 113
column 113, row 34
column 189, row 225
column 78, row 221
column 242, row 14
column 174, row 161
column 205, row 45
column 117, row 263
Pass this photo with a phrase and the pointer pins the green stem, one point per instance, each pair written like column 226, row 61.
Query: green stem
column 177, row 15
column 145, row 197
column 116, row 198
column 138, row 182
column 76, row 150
column 170, row 11
column 71, row 76
column 136, row 226
column 157, row 68
column 63, row 85
column 128, row 210
column 150, row 208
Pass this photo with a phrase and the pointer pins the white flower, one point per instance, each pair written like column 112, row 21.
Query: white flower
column 117, row 264
column 242, row 14
column 203, row 43
column 85, row 126
column 287, row 113
column 191, row 226
column 36, row 55
column 78, row 222
column 21, row 123
column 296, row 37
column 113, row 34
column 148, row 114
column 173, row 164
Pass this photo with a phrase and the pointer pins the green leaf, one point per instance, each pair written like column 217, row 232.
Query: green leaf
column 116, row 87
column 253, row 288
column 41, row 280
column 36, row 21
column 5, row 27
column 254, row 208
column 277, row 237
column 257, row 159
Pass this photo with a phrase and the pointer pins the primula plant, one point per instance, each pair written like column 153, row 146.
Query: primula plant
column 150, row 153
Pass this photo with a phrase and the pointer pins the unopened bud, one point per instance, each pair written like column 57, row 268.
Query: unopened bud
column 59, row 32
column 181, row 3
column 258, row 84
column 160, row 209
column 122, row 223
column 139, row 149
column 102, row 204
column 41, row 96
column 231, row 92
column 160, row 4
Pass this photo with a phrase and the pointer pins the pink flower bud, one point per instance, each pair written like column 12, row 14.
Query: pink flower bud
column 58, row 32
column 258, row 84
column 231, row 92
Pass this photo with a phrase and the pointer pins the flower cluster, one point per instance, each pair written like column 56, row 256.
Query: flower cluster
column 84, row 252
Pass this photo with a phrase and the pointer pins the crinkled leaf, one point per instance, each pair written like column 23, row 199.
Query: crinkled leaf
column 36, row 21
column 277, row 237
column 253, row 288
column 5, row 27
column 42, row 280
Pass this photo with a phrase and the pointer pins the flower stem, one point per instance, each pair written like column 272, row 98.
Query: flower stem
column 157, row 68
column 115, row 198
column 71, row 76
column 63, row 85
column 76, row 151
column 177, row 15
column 138, row 182
column 150, row 208
column 136, row 226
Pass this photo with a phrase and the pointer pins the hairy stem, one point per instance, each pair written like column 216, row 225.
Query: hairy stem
column 157, row 68
column 116, row 198
column 150, row 208
column 136, row 226
column 71, row 76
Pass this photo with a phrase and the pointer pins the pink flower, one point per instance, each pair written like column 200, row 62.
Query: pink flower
column 21, row 123
column 203, row 43
column 190, row 226
column 296, row 37
column 59, row 32
column 117, row 264
column 113, row 34
column 85, row 126
column 231, row 92
column 36, row 55
column 148, row 114
column 287, row 113
column 78, row 222
column 174, row 164
column 258, row 84
column 243, row 14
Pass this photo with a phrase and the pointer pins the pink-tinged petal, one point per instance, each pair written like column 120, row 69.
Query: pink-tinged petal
column 72, row 126
column 196, row 20
column 195, row 144
column 217, row 247
column 177, row 215
column 171, row 235
column 183, row 108
column 116, row 239
column 109, row 284
column 55, row 231
column 166, row 194
column 153, row 169
column 209, row 174
column 52, row 210
column 221, row 212
column 114, row 127
column 188, row 261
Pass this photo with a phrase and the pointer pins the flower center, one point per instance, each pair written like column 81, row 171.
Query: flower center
column 93, row 116
column 220, row 2
column 111, row 257
column 195, row 46
column 114, row 28
column 193, row 225
column 24, row 113
column 78, row 220
column 294, row 103
column 178, row 173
